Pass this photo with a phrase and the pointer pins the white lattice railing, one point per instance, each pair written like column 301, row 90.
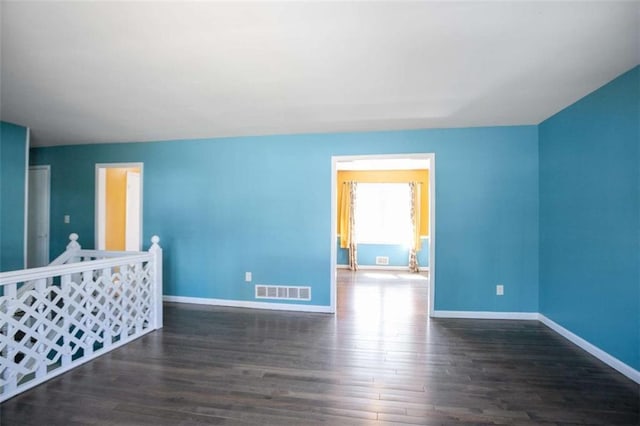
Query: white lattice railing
column 86, row 303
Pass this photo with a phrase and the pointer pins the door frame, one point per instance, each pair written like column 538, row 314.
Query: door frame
column 25, row 215
column 432, row 218
column 98, row 195
column 129, row 206
column 47, row 203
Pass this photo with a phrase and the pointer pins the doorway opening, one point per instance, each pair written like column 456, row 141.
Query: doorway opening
column 119, row 206
column 39, row 193
column 384, row 182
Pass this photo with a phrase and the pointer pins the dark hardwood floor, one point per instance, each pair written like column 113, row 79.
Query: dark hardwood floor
column 380, row 360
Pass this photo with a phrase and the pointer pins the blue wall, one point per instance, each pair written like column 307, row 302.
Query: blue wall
column 12, row 193
column 262, row 204
column 590, row 218
column 398, row 254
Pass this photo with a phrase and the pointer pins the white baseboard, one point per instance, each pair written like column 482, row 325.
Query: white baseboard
column 486, row 315
column 377, row 267
column 603, row 356
column 382, row 268
column 611, row 361
column 248, row 304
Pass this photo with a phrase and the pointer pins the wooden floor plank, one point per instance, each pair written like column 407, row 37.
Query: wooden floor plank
column 379, row 360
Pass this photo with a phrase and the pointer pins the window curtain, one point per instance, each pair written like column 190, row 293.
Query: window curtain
column 347, row 222
column 416, row 244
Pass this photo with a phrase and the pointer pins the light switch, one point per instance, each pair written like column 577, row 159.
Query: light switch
column 67, row 218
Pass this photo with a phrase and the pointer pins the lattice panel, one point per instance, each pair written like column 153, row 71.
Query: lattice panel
column 43, row 330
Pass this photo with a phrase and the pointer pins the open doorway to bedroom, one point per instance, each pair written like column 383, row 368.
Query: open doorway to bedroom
column 383, row 234
column 119, row 206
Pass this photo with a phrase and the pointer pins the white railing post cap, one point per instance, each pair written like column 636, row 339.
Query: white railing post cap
column 73, row 243
column 155, row 239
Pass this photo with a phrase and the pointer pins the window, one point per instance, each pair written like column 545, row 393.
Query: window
column 383, row 213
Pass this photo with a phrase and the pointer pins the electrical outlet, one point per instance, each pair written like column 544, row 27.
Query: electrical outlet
column 247, row 277
column 500, row 290
column 67, row 218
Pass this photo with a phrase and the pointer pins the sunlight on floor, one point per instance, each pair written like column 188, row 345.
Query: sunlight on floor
column 377, row 304
column 379, row 275
column 396, row 276
column 383, row 303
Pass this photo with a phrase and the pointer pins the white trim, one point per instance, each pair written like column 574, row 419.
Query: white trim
column 140, row 165
column 431, row 157
column 610, row 360
column 603, row 356
column 382, row 268
column 334, row 236
column 368, row 164
column 248, row 304
column 32, row 274
column 46, row 167
column 432, row 234
column 101, row 201
column 27, row 140
column 486, row 315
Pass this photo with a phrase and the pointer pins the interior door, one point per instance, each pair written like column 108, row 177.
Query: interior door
column 38, row 217
column 119, row 206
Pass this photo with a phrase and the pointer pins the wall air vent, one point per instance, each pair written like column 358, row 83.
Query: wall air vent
column 283, row 292
column 382, row 260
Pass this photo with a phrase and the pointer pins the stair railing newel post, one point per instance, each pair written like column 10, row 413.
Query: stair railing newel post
column 99, row 296
column 156, row 276
column 73, row 246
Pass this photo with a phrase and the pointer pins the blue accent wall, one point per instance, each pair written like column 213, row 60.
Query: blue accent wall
column 590, row 218
column 263, row 204
column 12, row 192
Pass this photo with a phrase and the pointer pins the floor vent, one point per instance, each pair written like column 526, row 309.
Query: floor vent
column 283, row 292
column 382, row 260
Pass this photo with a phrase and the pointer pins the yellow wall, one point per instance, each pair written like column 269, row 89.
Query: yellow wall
column 392, row 176
column 116, row 206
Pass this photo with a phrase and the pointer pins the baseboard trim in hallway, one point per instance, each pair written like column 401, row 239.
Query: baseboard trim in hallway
column 603, row 356
column 249, row 304
column 592, row 349
column 486, row 315
column 379, row 360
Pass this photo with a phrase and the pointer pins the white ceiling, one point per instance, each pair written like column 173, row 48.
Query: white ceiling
column 86, row 72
